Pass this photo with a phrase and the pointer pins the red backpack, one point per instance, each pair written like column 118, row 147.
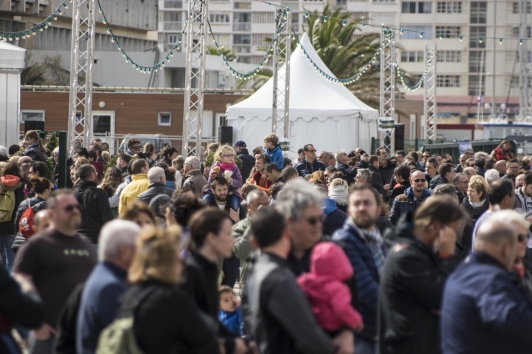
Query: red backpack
column 25, row 224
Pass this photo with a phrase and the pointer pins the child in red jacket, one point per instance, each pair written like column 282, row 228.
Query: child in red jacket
column 329, row 297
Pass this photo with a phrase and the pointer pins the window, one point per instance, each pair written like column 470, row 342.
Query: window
column 516, row 8
column 448, row 81
column 475, row 32
column 416, row 7
column 242, row 39
column 264, row 17
column 165, row 118
column 170, row 16
column 475, row 59
column 448, row 31
column 32, row 116
column 449, row 7
column 171, row 38
column 383, row 0
column 474, row 81
column 412, row 57
column 517, row 32
column 172, row 4
column 242, row 21
column 219, row 18
column 449, row 56
column 414, row 32
column 242, row 5
column 479, row 11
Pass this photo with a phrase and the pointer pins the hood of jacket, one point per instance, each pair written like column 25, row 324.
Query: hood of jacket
column 329, row 205
column 10, row 182
column 410, row 194
column 243, row 152
column 327, row 262
column 139, row 176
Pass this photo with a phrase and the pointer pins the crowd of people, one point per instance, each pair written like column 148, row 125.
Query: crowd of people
column 238, row 252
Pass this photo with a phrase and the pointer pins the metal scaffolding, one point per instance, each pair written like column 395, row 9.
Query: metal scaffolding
column 524, row 77
column 195, row 77
column 429, row 93
column 282, row 49
column 82, row 60
column 387, row 84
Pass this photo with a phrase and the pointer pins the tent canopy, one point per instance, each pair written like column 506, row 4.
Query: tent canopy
column 321, row 112
column 12, row 57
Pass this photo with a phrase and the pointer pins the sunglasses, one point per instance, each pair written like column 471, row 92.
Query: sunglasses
column 419, row 180
column 426, row 156
column 521, row 238
column 137, row 147
column 313, row 220
column 71, row 207
column 311, row 150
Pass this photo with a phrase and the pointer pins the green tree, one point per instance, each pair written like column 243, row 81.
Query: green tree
column 226, row 52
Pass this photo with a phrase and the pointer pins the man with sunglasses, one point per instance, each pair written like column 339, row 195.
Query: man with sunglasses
column 413, row 198
column 310, row 163
column 133, row 147
column 57, row 261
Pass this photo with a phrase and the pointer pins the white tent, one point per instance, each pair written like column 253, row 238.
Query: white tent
column 11, row 64
column 323, row 113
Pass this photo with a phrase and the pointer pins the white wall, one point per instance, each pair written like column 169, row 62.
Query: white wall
column 9, row 106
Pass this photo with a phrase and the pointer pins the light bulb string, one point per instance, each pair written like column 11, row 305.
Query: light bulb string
column 143, row 68
column 438, row 35
column 267, row 55
column 38, row 27
column 417, row 85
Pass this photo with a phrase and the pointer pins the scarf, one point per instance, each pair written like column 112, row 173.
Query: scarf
column 339, row 194
column 477, row 205
column 227, row 166
column 374, row 242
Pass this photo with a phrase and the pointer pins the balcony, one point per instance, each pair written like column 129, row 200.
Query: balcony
column 173, row 4
column 173, row 26
column 242, row 27
column 238, row 48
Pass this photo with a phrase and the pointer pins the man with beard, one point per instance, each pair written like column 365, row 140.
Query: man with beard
column 365, row 248
column 231, row 266
column 512, row 170
column 57, row 261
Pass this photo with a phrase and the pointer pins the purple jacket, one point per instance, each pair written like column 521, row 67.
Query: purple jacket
column 236, row 183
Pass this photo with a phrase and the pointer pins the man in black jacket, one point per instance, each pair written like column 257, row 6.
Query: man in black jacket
column 277, row 315
column 310, row 163
column 248, row 161
column 95, row 208
column 446, row 175
column 413, row 278
column 342, row 166
column 157, row 186
column 386, row 168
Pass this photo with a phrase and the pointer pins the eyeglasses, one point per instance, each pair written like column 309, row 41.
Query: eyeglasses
column 313, row 220
column 411, row 164
column 137, row 147
column 229, row 155
column 419, row 180
column 521, row 238
column 311, row 150
column 426, row 155
column 71, row 207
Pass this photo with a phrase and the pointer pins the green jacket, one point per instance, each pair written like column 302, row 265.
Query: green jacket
column 242, row 247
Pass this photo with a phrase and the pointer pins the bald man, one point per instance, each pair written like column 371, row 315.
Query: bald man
column 495, row 315
column 470, row 171
column 41, row 221
column 520, row 180
column 501, row 167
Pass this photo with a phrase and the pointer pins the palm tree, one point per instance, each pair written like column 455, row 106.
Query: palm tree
column 344, row 53
column 226, row 52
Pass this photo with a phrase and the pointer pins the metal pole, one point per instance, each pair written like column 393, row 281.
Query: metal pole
column 282, row 49
column 493, row 103
column 429, row 93
column 62, row 170
column 195, row 77
column 387, row 83
column 81, row 65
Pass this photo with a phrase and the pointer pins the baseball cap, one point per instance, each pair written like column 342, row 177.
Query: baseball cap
column 240, row 143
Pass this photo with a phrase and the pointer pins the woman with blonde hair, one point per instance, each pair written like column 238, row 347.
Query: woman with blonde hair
column 34, row 146
column 476, row 201
column 225, row 167
column 140, row 214
column 338, row 192
column 157, row 301
column 317, row 177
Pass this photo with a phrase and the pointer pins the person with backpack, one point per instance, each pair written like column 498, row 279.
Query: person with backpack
column 29, row 207
column 96, row 210
column 157, row 315
column 11, row 195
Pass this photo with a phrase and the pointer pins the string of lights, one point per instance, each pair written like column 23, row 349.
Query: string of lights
column 143, row 69
column 418, row 84
column 40, row 27
column 251, row 74
column 421, row 34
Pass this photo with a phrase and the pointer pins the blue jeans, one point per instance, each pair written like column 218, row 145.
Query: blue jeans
column 8, row 256
column 364, row 346
column 234, row 201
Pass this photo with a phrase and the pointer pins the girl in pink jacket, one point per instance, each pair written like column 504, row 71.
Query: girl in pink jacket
column 329, row 297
